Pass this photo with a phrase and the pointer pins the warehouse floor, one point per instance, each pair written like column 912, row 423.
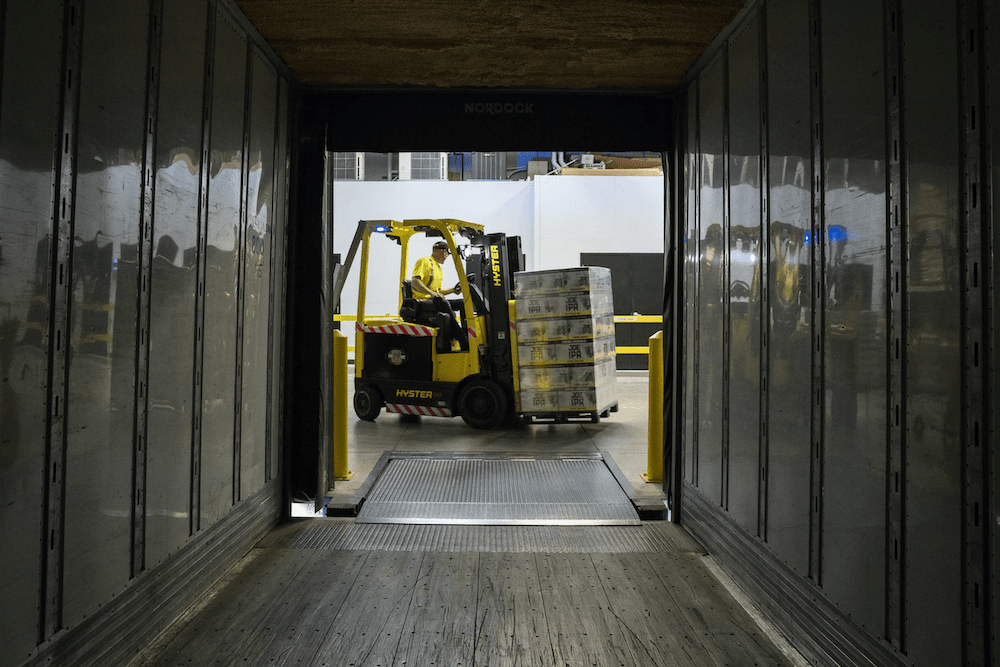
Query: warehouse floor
column 621, row 437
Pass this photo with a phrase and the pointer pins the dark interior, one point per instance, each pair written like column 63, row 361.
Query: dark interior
column 829, row 287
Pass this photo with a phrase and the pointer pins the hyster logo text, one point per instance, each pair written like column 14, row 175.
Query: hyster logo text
column 413, row 393
column 495, row 108
column 495, row 263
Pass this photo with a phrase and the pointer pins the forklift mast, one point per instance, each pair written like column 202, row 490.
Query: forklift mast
column 494, row 272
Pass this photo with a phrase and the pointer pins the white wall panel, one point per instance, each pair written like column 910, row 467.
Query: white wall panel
column 557, row 218
column 575, row 213
column 498, row 206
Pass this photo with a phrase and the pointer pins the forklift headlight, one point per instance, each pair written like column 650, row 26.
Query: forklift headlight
column 396, row 357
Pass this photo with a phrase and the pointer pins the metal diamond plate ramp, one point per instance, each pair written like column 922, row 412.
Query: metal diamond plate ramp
column 531, row 492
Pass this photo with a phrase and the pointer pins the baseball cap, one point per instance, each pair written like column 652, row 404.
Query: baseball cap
column 441, row 245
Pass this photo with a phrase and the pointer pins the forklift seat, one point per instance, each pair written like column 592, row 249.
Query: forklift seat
column 433, row 312
column 418, row 311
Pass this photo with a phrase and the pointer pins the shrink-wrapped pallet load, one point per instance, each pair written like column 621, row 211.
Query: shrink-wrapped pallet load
column 565, row 343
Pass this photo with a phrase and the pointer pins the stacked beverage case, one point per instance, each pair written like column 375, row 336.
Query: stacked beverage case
column 566, row 342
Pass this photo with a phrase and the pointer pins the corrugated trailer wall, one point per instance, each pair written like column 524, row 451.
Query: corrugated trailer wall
column 839, row 447
column 992, row 269
column 143, row 167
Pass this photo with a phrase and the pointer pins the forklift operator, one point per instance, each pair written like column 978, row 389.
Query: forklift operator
column 428, row 274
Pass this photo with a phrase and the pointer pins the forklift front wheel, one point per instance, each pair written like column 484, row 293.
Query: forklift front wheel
column 367, row 403
column 482, row 404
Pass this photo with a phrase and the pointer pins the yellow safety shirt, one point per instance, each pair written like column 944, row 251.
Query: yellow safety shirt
column 431, row 273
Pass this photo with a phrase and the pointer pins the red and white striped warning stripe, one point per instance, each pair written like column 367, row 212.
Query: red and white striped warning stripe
column 408, row 329
column 425, row 410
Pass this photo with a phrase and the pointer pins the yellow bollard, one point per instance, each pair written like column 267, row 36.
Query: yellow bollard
column 340, row 471
column 654, row 444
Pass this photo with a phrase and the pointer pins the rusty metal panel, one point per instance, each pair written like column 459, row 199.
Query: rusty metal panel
column 222, row 255
column 174, row 279
column 790, row 176
column 932, row 328
column 257, row 274
column 711, row 308
column 105, row 275
column 29, row 131
column 744, row 273
column 853, row 341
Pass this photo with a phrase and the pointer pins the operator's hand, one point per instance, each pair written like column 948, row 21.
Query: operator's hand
column 457, row 289
column 419, row 286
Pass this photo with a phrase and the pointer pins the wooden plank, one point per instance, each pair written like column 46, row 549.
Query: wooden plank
column 295, row 623
column 655, row 629
column 236, row 603
column 366, row 628
column 582, row 629
column 440, row 628
column 296, row 607
column 510, row 618
column 721, row 626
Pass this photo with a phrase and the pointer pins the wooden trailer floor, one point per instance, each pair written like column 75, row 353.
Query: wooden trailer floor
column 330, row 591
column 595, row 598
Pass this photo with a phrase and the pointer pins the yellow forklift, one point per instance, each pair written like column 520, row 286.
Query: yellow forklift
column 438, row 357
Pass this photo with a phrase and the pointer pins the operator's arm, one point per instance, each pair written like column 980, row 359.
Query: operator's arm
column 418, row 286
column 423, row 273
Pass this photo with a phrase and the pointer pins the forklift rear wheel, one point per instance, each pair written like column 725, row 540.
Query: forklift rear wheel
column 367, row 403
column 482, row 404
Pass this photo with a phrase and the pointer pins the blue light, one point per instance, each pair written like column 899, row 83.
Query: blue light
column 837, row 234
column 381, row 229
